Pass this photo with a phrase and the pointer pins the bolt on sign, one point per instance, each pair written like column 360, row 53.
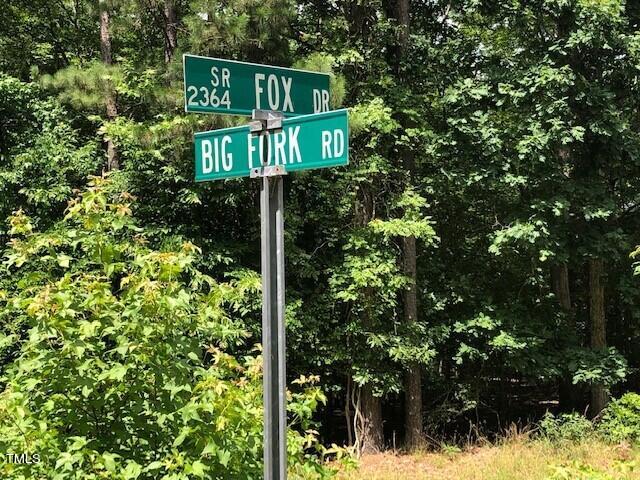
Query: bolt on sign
column 213, row 85
column 309, row 141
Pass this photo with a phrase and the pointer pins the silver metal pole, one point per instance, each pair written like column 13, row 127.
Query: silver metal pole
column 273, row 327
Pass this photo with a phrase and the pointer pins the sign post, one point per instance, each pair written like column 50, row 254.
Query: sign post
column 273, row 328
column 268, row 148
column 273, row 304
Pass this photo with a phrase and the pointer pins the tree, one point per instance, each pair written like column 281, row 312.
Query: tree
column 43, row 158
column 41, row 36
column 599, row 396
column 170, row 30
column 109, row 94
column 413, row 376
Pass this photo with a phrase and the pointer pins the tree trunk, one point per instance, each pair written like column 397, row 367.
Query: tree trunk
column 413, row 377
column 560, row 283
column 403, row 25
column 370, row 434
column 347, row 411
column 568, row 393
column 170, row 30
column 368, row 410
column 599, row 394
column 110, row 100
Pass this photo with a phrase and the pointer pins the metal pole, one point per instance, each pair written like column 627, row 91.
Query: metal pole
column 273, row 327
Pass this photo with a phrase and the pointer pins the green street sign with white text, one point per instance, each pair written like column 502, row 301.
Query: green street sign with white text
column 213, row 85
column 309, row 141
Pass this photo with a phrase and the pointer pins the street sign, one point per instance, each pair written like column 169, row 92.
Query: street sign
column 213, row 85
column 268, row 147
column 309, row 141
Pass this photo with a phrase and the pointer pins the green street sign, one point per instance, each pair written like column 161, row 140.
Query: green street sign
column 213, row 85
column 309, row 141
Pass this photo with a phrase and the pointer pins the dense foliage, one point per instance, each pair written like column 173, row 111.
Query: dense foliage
column 470, row 266
column 112, row 380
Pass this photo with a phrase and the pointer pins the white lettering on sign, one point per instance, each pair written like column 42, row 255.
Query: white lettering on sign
column 278, row 146
column 208, row 97
column 251, row 150
column 320, row 100
column 288, row 104
column 214, row 154
column 273, row 91
column 258, row 78
column 332, row 144
column 277, row 89
column 227, row 158
column 293, row 143
column 261, row 148
column 217, row 78
column 207, row 160
column 282, row 148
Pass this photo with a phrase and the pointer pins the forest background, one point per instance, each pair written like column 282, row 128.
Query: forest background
column 471, row 267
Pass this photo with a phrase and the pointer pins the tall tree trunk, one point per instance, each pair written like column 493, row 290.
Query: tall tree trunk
column 599, row 394
column 112, row 108
column 170, row 30
column 413, row 376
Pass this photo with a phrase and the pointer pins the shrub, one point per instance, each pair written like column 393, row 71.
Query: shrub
column 565, row 427
column 620, row 421
column 122, row 372
column 577, row 470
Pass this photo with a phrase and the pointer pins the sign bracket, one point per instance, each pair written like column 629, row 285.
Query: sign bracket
column 268, row 171
column 265, row 120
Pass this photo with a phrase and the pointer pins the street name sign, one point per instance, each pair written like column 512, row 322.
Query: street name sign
column 269, row 147
column 308, row 141
column 213, row 85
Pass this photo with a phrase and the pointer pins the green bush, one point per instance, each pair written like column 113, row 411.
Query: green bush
column 620, row 421
column 578, row 470
column 121, row 370
column 565, row 427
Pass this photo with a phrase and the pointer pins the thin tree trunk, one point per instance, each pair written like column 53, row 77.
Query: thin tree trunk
column 368, row 425
column 560, row 283
column 368, row 417
column 347, row 411
column 170, row 30
column 413, row 376
column 599, row 394
column 110, row 100
column 403, row 25
column 569, row 395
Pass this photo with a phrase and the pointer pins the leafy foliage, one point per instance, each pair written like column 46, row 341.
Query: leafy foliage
column 502, row 135
column 42, row 157
column 122, row 371
column 566, row 427
column 620, row 421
